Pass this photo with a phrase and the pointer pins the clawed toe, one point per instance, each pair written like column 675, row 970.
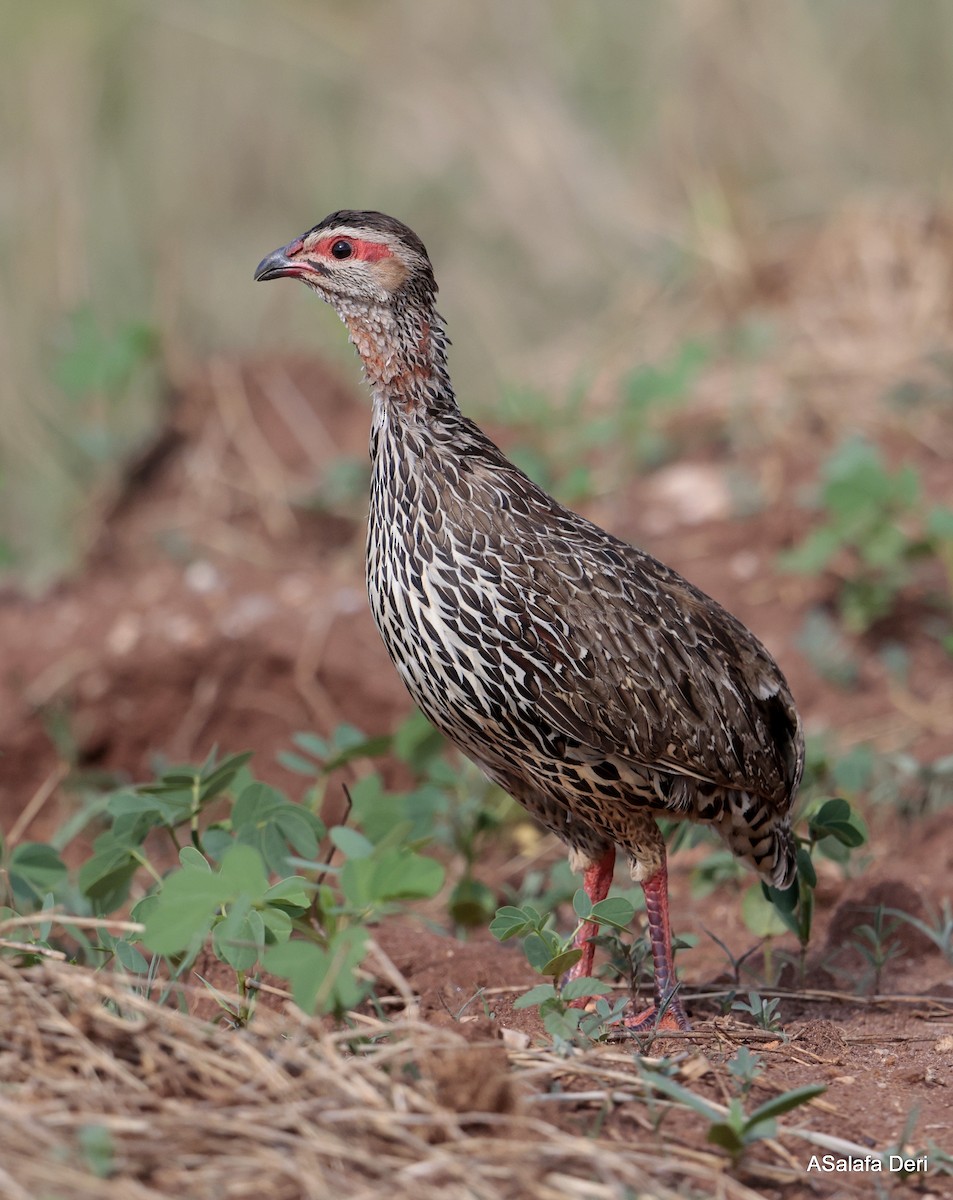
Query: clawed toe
column 673, row 1020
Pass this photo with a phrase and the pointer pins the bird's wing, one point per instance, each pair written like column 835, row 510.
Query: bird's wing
column 631, row 660
column 648, row 668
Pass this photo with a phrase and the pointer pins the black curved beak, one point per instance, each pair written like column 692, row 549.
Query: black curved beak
column 277, row 265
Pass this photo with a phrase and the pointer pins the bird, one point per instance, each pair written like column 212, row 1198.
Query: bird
column 591, row 682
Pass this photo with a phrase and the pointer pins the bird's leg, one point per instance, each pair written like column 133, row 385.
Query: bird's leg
column 596, row 880
column 660, row 936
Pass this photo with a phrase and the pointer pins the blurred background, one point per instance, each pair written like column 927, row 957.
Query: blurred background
column 591, row 181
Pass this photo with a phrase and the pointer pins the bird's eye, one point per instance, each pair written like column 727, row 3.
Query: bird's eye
column 342, row 249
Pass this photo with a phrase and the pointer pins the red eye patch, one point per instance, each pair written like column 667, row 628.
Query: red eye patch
column 368, row 251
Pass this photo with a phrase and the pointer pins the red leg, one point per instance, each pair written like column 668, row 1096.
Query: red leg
column 596, row 879
column 660, row 935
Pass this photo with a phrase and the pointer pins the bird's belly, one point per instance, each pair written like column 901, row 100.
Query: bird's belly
column 478, row 683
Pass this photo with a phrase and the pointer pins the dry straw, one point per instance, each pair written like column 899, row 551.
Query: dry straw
column 106, row 1094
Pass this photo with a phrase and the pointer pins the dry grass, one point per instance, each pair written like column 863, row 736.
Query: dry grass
column 104, row 1094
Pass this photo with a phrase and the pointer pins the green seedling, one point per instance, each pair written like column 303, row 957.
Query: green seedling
column 940, row 932
column 765, row 1012
column 746, row 1068
column 875, row 531
column 731, row 1128
column 552, row 956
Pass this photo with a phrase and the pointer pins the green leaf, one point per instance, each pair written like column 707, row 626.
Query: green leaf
column 805, row 867
column 583, row 986
column 243, row 872
column 350, row 842
column 403, row 876
column 784, row 1103
column 722, row 1134
column 836, row 819
column 265, row 819
column 239, row 938
column 847, row 834
column 222, row 776
column 561, row 1023
column 509, row 922
column 355, row 745
column 853, row 772
column 391, row 875
column 836, row 809
column 34, row 869
column 153, row 809
column 416, row 742
column 538, row 949
column 311, row 744
column 96, row 1143
column 380, row 812
column 615, row 912
column 130, row 958
column 277, row 924
column 471, row 903
column 106, row 876
column 191, row 897
column 216, row 842
column 297, row 764
column 535, row 995
column 189, row 856
column 761, row 917
column 560, row 963
column 940, row 524
column 582, row 905
column 814, row 552
column 294, row 890
column 347, row 743
column 322, row 980
column 675, row 1091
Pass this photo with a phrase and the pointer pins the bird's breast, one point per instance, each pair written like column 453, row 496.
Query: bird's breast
column 450, row 618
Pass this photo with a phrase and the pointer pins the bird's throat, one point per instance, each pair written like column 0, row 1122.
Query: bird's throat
column 404, row 357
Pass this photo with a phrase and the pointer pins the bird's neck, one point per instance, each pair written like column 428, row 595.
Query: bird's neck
column 404, row 353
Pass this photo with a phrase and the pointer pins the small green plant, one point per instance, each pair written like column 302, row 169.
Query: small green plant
column 638, row 423
column 451, row 804
column 765, row 1012
column 651, row 393
column 248, row 882
column 940, row 931
column 96, row 370
column 834, row 830
column 732, row 1128
column 746, row 1068
column 875, row 530
column 822, row 642
column 8, row 556
column 552, row 956
column 878, row 944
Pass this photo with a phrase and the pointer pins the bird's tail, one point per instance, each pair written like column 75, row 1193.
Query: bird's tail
column 762, row 837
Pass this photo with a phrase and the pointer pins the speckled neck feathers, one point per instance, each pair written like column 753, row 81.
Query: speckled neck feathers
column 403, row 348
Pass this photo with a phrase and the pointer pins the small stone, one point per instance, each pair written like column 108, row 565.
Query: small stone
column 202, row 577
column 515, row 1039
column 124, row 634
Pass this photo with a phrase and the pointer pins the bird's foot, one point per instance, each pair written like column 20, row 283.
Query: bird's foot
column 672, row 1020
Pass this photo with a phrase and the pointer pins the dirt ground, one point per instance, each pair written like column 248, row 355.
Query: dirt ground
column 222, row 605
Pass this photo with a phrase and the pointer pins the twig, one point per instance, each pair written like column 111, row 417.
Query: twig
column 36, row 802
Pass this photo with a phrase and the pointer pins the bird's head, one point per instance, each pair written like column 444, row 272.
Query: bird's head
column 355, row 260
